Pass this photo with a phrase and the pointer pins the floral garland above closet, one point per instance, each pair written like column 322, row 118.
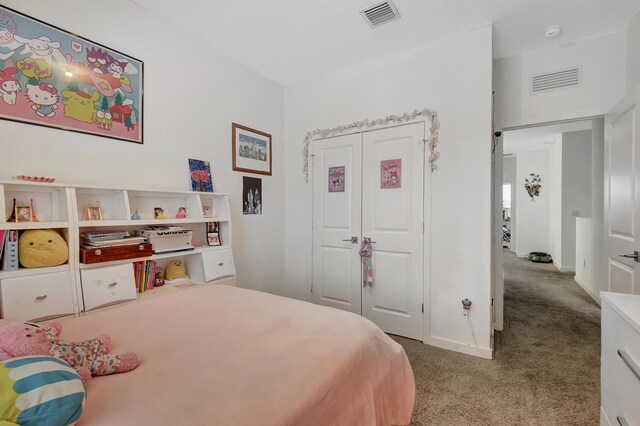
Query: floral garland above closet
column 367, row 124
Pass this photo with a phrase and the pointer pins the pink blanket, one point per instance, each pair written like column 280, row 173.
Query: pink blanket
column 220, row 355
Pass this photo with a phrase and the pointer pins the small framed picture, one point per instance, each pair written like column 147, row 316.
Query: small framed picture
column 251, row 150
column 94, row 213
column 24, row 214
column 213, row 233
column 207, row 210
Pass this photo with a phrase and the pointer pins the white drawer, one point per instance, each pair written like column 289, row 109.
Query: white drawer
column 106, row 286
column 37, row 297
column 620, row 386
column 618, row 335
column 218, row 264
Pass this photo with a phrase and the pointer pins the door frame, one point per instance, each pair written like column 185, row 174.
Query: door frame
column 426, row 217
column 497, row 293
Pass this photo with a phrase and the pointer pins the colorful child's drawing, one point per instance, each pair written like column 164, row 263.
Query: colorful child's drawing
column 54, row 78
column 200, row 172
column 390, row 174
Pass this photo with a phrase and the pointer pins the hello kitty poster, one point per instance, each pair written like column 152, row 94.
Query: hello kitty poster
column 54, row 78
column 391, row 174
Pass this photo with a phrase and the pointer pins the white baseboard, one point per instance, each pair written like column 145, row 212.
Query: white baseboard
column 595, row 297
column 564, row 268
column 459, row 347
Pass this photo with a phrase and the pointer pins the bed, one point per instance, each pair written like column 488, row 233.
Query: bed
column 221, row 355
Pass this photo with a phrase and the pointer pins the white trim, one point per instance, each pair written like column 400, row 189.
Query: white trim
column 459, row 347
column 594, row 296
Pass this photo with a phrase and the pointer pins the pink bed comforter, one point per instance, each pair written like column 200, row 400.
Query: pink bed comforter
column 220, row 355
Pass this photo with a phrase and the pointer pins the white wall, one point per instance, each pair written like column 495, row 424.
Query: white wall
column 591, row 263
column 576, row 191
column 553, row 186
column 633, row 54
column 533, row 216
column 603, row 65
column 452, row 76
column 184, row 116
column 509, row 175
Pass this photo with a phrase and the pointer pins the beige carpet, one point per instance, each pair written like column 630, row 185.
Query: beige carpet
column 547, row 365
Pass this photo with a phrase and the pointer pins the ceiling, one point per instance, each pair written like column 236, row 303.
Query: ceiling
column 541, row 137
column 293, row 40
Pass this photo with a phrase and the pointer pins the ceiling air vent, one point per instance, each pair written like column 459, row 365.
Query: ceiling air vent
column 380, row 13
column 556, row 80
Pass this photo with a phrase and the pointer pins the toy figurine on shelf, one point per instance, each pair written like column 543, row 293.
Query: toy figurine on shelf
column 182, row 213
column 34, row 217
column 136, row 215
column 159, row 213
column 13, row 217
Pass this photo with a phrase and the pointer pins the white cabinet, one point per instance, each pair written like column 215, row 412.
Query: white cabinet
column 37, row 297
column 73, row 288
column 620, row 361
column 37, row 293
column 102, row 284
column 218, row 264
column 106, row 286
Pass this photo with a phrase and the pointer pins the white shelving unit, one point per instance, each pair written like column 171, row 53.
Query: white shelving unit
column 95, row 285
column 204, row 263
column 39, row 293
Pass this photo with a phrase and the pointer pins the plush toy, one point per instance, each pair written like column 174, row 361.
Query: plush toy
column 88, row 357
column 176, row 270
column 40, row 248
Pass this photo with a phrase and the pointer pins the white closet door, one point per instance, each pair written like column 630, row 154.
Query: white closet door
column 392, row 216
column 336, row 220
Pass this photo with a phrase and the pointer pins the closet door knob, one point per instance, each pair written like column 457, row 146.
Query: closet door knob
column 41, row 297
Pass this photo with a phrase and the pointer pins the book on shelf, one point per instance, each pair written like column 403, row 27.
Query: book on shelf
column 105, row 234
column 102, row 239
column 127, row 241
column 10, row 259
column 144, row 273
column 3, row 235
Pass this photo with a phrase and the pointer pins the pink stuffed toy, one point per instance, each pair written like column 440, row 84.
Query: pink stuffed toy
column 88, row 357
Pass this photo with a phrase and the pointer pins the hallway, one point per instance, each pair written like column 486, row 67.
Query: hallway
column 547, row 365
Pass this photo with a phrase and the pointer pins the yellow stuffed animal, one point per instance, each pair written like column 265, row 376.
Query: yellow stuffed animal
column 41, row 248
column 176, row 270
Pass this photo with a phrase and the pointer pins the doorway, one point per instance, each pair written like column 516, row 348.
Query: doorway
column 556, row 200
column 371, row 184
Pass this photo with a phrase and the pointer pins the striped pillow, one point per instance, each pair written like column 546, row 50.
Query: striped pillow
column 40, row 390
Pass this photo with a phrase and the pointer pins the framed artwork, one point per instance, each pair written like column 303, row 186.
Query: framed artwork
column 213, row 234
column 251, row 195
column 200, row 172
column 207, row 210
column 94, row 213
column 336, row 179
column 24, row 214
column 251, row 150
column 51, row 77
column 391, row 174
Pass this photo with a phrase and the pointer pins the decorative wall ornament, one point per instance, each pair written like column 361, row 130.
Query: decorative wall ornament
column 533, row 186
column 432, row 141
